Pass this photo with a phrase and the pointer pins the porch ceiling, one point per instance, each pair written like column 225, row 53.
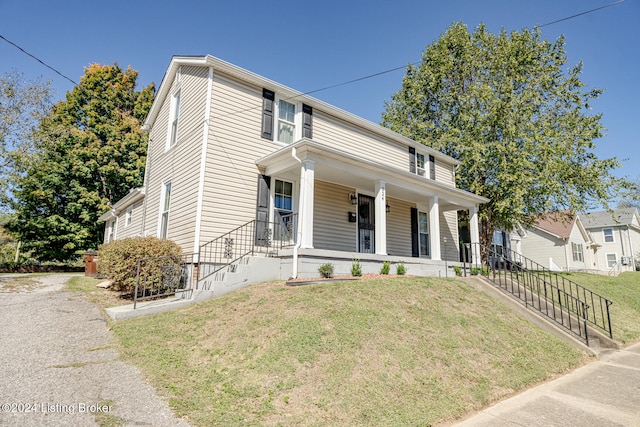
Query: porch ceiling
column 361, row 174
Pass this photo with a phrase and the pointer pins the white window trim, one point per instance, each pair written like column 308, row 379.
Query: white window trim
column 163, row 194
column 604, row 235
column 297, row 121
column 172, row 108
column 574, row 252
column 272, row 201
column 606, row 257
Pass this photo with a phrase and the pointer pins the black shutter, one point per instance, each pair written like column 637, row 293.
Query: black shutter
column 307, row 121
column 262, row 210
column 412, row 160
column 432, row 167
column 415, row 248
column 268, row 98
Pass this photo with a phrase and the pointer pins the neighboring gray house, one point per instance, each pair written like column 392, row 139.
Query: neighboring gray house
column 227, row 146
column 559, row 241
column 617, row 234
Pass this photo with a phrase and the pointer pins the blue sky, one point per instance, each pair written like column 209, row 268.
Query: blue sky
column 308, row 46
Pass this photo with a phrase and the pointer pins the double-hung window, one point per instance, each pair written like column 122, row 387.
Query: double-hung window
column 286, row 122
column 423, row 232
column 111, row 231
column 577, row 252
column 173, row 120
column 608, row 235
column 165, row 203
column 421, row 164
column 128, row 216
column 612, row 260
column 283, row 210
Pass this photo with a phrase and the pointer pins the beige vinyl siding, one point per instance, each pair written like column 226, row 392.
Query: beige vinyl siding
column 331, row 226
column 181, row 163
column 135, row 228
column 449, row 230
column 399, row 227
column 336, row 133
column 233, row 147
column 540, row 246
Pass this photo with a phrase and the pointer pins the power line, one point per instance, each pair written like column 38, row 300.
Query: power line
column 38, row 59
column 581, row 13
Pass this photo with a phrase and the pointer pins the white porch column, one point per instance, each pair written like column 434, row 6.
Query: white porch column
column 305, row 209
column 474, row 230
column 434, row 228
column 381, row 219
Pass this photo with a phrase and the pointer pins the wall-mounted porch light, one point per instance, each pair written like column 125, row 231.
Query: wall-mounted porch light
column 353, row 197
column 388, row 208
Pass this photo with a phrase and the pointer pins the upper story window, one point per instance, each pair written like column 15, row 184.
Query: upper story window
column 418, row 164
column 174, row 115
column 286, row 121
column 294, row 121
column 608, row 235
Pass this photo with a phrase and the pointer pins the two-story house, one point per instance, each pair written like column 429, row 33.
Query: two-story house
column 617, row 234
column 228, row 147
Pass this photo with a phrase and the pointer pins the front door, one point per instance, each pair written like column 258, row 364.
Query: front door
column 366, row 224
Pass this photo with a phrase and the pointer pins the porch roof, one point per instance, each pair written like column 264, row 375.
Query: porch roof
column 344, row 168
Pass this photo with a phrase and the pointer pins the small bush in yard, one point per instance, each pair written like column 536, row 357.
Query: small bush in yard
column 356, row 268
column 457, row 270
column 326, row 270
column 386, row 266
column 401, row 270
column 118, row 260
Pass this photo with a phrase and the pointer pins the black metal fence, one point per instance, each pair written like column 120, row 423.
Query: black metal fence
column 564, row 301
column 161, row 277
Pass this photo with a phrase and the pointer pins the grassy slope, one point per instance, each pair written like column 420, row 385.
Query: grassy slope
column 406, row 351
column 624, row 291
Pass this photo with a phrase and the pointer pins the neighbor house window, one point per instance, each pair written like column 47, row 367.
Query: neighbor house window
column 577, row 252
column 420, row 164
column 423, row 232
column 128, row 218
column 608, row 235
column 165, row 203
column 612, row 260
column 173, row 120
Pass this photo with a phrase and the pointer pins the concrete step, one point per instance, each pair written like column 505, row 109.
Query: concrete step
column 145, row 308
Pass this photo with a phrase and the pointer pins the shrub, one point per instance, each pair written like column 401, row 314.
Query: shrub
column 458, row 270
column 485, row 270
column 474, row 271
column 118, row 260
column 326, row 270
column 356, row 268
column 401, row 269
column 386, row 266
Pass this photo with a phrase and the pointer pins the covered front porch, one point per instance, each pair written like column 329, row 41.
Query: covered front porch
column 350, row 207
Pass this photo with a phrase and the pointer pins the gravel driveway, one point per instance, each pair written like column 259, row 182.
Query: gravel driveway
column 59, row 367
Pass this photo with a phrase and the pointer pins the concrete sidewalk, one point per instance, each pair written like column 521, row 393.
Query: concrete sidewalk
column 603, row 393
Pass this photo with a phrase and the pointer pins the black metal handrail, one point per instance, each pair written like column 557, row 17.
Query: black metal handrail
column 161, row 277
column 246, row 240
column 563, row 300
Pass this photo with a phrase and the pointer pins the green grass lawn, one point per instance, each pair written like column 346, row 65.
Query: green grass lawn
column 396, row 351
column 624, row 291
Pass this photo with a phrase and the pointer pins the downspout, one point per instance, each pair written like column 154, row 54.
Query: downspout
column 633, row 255
column 296, row 247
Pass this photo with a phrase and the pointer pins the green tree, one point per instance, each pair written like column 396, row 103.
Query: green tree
column 23, row 104
column 91, row 151
column 503, row 105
